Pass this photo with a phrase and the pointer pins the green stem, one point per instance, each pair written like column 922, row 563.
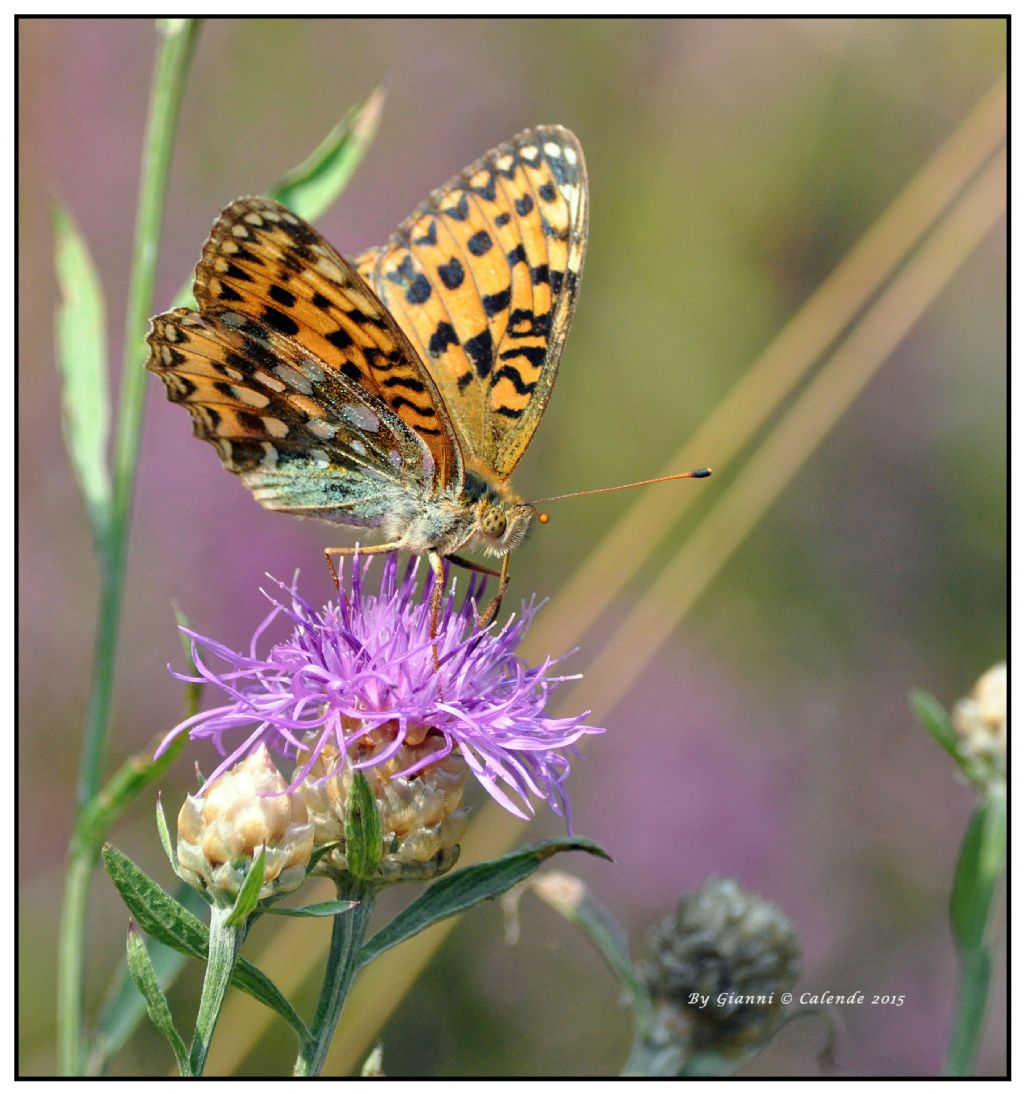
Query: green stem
column 969, row 1019
column 976, row 885
column 225, row 943
column 342, row 964
column 173, row 57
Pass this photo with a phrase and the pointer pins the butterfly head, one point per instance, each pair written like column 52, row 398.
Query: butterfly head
column 502, row 523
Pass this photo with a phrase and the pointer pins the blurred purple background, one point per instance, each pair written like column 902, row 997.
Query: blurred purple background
column 732, row 163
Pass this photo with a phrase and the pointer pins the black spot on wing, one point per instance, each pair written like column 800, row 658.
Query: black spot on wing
column 429, row 237
column 452, row 274
column 497, row 302
column 226, row 292
column 458, row 211
column 279, row 321
column 479, row 243
column 443, row 337
column 488, row 190
column 524, row 205
column 419, row 290
column 339, row 338
column 282, row 296
column 236, row 273
column 403, row 273
column 481, row 352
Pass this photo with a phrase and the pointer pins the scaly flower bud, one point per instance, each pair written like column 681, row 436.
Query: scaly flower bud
column 420, row 817
column 716, row 971
column 246, row 810
column 980, row 720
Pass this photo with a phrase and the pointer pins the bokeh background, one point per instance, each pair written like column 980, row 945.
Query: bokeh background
column 732, row 164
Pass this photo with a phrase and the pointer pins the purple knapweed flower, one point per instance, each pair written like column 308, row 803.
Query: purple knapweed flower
column 358, row 680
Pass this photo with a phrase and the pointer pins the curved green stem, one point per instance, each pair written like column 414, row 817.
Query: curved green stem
column 342, row 965
column 225, row 943
column 173, row 57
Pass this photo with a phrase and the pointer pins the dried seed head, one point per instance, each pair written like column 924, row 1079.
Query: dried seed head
column 244, row 811
column 717, row 970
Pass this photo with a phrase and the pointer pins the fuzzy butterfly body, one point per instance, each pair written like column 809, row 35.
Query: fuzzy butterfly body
column 397, row 391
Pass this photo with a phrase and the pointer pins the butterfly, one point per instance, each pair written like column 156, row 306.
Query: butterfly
column 399, row 389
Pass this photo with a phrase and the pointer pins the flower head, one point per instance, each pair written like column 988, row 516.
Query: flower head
column 357, row 680
column 980, row 720
column 239, row 814
column 716, row 970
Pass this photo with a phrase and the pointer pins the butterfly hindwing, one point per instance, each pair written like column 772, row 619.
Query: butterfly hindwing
column 263, row 261
column 303, row 437
column 483, row 279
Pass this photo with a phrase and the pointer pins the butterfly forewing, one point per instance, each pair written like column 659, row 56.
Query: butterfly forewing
column 304, row 437
column 483, row 278
column 264, row 262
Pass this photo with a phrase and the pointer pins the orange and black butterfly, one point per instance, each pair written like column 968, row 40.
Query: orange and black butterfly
column 398, row 390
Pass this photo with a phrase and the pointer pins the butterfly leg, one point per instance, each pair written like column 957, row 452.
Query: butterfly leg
column 495, row 604
column 436, row 596
column 473, row 567
column 376, row 549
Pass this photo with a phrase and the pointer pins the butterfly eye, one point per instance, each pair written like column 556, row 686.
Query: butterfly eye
column 493, row 522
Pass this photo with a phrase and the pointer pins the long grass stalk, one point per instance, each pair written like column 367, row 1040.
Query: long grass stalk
column 174, row 54
column 776, row 373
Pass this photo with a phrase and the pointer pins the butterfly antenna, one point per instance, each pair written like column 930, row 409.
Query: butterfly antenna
column 699, row 473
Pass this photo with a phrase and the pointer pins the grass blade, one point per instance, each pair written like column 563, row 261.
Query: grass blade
column 80, row 329
column 314, row 185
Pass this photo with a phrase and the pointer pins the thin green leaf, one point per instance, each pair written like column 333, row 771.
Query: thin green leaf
column 130, row 779
column 161, row 916
column 313, row 187
column 144, row 976
column 931, row 714
column 363, row 833
column 315, row 184
column 978, row 873
column 82, row 359
column 969, row 1019
column 316, row 911
column 249, row 892
column 458, row 891
column 165, row 835
column 124, row 1007
column 318, row 854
